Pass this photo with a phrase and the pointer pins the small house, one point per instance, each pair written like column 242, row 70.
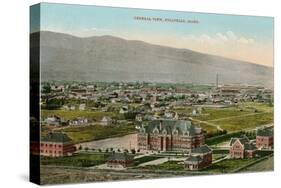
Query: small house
column 119, row 160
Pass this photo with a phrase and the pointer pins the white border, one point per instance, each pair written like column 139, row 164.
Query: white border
column 15, row 93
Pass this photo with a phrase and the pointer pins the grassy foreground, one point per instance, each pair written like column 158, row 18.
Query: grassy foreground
column 76, row 160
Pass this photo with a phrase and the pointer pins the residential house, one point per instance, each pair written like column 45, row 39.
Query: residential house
column 82, row 107
column 80, row 121
column 119, row 160
column 264, row 138
column 241, row 148
column 199, row 158
column 52, row 121
column 124, row 109
column 105, row 121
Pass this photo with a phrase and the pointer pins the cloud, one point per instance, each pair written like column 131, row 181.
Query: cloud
column 231, row 35
column 228, row 37
column 232, row 45
column 222, row 37
column 97, row 29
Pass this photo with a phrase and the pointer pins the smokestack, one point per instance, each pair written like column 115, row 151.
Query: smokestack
column 217, row 80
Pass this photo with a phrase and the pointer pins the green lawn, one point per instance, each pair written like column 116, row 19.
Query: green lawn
column 145, row 159
column 222, row 138
column 187, row 110
column 227, row 165
column 77, row 160
column 97, row 132
column 170, row 165
column 218, row 156
column 208, row 128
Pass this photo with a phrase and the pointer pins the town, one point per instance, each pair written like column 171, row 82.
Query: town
column 148, row 130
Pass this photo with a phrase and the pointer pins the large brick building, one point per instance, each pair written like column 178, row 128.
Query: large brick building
column 167, row 135
column 241, row 148
column 54, row 144
column 199, row 158
column 264, row 138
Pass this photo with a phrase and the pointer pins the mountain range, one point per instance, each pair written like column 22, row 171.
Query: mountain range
column 109, row 58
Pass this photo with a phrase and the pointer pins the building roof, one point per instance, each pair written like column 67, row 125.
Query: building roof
column 193, row 159
column 106, row 118
column 203, row 149
column 120, row 157
column 264, row 132
column 244, row 139
column 56, row 137
column 250, row 146
column 169, row 126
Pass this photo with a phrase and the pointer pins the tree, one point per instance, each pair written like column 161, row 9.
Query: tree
column 130, row 115
column 46, row 88
column 133, row 151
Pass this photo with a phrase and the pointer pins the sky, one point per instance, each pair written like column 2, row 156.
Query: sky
column 247, row 38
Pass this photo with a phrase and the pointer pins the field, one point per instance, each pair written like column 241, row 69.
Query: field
column 246, row 122
column 94, row 132
column 67, row 115
column 97, row 132
column 76, row 160
column 232, row 119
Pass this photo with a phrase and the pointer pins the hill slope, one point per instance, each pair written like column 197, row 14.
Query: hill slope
column 108, row 58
